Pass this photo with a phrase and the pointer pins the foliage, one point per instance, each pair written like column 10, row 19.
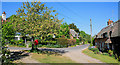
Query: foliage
column 37, row 20
column 77, row 41
column 5, row 55
column 84, row 37
column 62, row 41
column 64, row 31
column 110, row 52
column 8, row 34
column 101, row 57
column 48, row 42
column 8, row 31
column 73, row 26
column 71, row 42
column 95, row 50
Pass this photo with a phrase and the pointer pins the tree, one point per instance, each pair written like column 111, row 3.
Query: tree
column 73, row 26
column 36, row 20
column 8, row 31
column 84, row 36
column 64, row 30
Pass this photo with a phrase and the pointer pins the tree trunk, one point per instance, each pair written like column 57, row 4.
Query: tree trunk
column 33, row 44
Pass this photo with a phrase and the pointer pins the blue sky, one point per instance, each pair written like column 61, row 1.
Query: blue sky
column 77, row 12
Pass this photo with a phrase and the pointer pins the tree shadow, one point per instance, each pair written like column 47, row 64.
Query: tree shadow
column 18, row 55
column 49, row 51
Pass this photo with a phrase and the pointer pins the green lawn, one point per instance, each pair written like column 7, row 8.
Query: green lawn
column 44, row 58
column 103, row 58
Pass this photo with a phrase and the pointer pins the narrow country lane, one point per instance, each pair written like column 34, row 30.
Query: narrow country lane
column 75, row 53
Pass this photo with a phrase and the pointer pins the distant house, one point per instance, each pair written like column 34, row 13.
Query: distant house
column 74, row 34
column 109, row 37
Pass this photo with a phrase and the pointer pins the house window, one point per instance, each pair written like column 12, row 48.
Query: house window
column 108, row 45
column 102, row 44
column 105, row 35
column 110, row 33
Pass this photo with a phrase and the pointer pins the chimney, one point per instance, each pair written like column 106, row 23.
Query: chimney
column 4, row 16
column 109, row 22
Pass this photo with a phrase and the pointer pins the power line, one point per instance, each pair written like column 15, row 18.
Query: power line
column 69, row 9
column 66, row 16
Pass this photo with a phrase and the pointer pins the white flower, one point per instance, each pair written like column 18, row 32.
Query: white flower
column 5, row 54
column 9, row 55
column 1, row 55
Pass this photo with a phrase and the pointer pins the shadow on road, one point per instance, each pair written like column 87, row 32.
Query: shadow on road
column 48, row 51
column 18, row 55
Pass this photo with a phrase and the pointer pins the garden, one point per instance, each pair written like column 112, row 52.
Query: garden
column 107, row 57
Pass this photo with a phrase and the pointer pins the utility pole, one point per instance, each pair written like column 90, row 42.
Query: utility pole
column 91, row 29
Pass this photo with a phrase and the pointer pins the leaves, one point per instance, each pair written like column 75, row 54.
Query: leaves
column 38, row 20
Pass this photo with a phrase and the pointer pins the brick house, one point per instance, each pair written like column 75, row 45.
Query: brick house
column 109, row 37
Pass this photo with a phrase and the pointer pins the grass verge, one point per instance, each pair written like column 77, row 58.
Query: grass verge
column 44, row 58
column 103, row 58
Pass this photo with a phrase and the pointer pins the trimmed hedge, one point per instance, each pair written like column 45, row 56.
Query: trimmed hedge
column 62, row 41
column 48, row 42
column 66, row 42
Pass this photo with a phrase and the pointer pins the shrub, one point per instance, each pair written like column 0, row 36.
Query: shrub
column 95, row 50
column 110, row 52
column 48, row 42
column 63, row 36
column 77, row 41
column 62, row 41
column 119, row 58
column 13, row 41
column 71, row 42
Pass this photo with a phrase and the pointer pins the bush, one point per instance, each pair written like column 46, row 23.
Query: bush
column 71, row 42
column 95, row 50
column 62, row 41
column 110, row 52
column 48, row 42
column 77, row 41
column 119, row 58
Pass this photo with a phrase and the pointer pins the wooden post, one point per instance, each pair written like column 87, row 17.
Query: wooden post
column 91, row 29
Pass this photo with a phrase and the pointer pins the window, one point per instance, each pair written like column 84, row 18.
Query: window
column 105, row 35
column 110, row 33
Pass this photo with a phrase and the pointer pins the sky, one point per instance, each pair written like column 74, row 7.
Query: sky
column 79, row 13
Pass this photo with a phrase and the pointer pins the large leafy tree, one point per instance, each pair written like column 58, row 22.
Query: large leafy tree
column 36, row 20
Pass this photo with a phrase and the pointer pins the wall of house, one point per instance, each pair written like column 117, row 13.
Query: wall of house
column 116, row 44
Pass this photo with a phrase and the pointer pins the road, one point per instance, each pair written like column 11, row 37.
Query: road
column 80, row 47
column 74, row 53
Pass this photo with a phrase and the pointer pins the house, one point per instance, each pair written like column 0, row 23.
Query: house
column 74, row 34
column 109, row 37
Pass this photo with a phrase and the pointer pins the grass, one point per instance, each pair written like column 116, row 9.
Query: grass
column 103, row 58
column 44, row 58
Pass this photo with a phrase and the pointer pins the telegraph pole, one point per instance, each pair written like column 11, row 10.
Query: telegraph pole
column 91, row 29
